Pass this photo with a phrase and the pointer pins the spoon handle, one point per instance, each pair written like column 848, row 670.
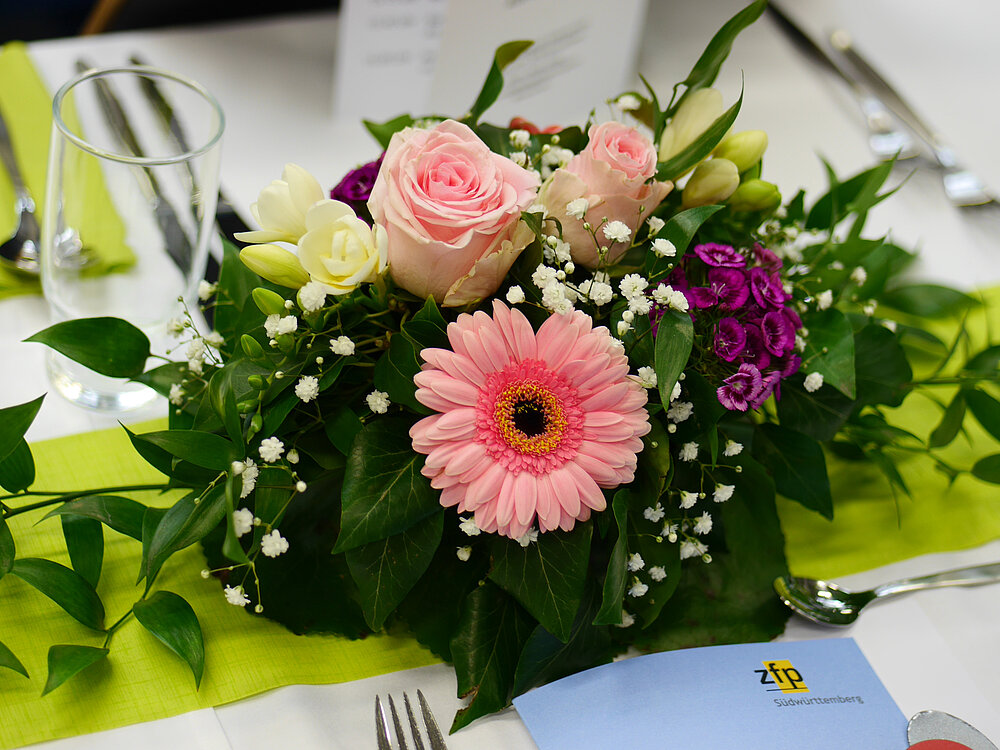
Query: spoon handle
column 971, row 576
column 8, row 158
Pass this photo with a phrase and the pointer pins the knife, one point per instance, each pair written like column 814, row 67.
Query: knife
column 175, row 239
column 886, row 140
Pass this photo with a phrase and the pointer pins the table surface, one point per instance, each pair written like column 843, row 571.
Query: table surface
column 274, row 78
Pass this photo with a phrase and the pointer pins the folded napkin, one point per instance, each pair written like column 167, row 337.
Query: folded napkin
column 27, row 109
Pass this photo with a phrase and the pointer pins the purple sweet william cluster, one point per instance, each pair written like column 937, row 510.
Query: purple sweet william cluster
column 356, row 187
column 737, row 300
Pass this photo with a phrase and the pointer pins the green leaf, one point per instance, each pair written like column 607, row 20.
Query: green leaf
column 184, row 523
column 387, row 569
column 231, row 546
column 85, row 544
column 17, row 470
column 172, row 620
column 233, row 309
column 883, row 372
column 161, row 378
column 109, row 346
column 951, row 423
column 617, row 573
column 985, row 409
column 830, row 349
column 486, row 649
column 797, row 464
column 383, row 132
column 394, row 373
column 546, row 577
column 819, row 414
column 927, row 300
column 119, row 513
column 988, row 468
column 493, row 85
column 222, row 392
column 341, row 428
column 7, row 548
column 985, row 362
column 679, row 230
column 427, row 328
column 678, row 164
column 674, row 339
column 831, row 208
column 203, row 449
column 384, row 492
column 65, row 661
column 8, row 660
column 14, row 422
column 65, row 587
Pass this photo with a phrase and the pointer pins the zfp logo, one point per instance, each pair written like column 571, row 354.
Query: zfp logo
column 783, row 676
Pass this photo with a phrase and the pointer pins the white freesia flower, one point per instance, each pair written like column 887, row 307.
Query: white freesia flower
column 281, row 207
column 339, row 250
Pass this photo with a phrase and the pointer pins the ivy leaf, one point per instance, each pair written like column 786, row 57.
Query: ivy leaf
column 384, row 492
column 487, row 645
column 65, row 587
column 985, row 409
column 394, row 373
column 14, row 422
column 883, row 371
column 830, row 349
column 8, row 660
column 119, row 513
column 203, row 449
column 820, row 414
column 386, row 570
column 951, row 422
column 17, row 470
column 68, row 660
column 172, row 620
column 85, row 544
column 546, row 577
column 674, row 339
column 988, row 468
column 493, row 85
column 427, row 328
column 797, row 464
column 7, row 548
column 616, row 576
column 341, row 428
column 109, row 346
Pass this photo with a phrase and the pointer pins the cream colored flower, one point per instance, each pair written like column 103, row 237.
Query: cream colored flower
column 339, row 250
column 712, row 182
column 281, row 207
column 692, row 118
column 275, row 264
column 744, row 149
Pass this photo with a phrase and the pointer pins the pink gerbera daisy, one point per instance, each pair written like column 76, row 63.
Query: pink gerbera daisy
column 531, row 425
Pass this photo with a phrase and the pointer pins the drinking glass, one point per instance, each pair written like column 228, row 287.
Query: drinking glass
column 129, row 211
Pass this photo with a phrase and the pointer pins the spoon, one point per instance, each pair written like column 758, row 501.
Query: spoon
column 936, row 730
column 828, row 604
column 20, row 252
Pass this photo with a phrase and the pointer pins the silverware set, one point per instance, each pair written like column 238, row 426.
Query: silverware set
column 386, row 728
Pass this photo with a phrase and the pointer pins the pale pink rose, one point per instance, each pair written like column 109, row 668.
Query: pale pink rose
column 451, row 209
column 613, row 174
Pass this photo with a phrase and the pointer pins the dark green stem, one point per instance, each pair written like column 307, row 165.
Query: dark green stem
column 63, row 497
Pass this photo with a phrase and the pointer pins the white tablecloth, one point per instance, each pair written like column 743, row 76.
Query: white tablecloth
column 938, row 649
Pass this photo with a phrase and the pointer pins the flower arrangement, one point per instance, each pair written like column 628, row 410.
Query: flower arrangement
column 521, row 394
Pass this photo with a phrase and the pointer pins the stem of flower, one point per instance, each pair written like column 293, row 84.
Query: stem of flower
column 63, row 497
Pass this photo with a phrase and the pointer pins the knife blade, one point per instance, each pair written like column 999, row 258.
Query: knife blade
column 887, row 140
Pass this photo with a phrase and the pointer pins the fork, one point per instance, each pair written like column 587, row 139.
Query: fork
column 434, row 736
column 20, row 252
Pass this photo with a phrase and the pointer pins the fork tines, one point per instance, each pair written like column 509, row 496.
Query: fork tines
column 434, row 735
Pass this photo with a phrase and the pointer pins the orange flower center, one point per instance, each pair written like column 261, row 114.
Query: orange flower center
column 530, row 418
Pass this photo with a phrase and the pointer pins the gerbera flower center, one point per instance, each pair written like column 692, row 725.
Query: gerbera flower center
column 530, row 418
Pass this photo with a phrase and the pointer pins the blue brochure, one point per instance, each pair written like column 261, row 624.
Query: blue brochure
column 818, row 695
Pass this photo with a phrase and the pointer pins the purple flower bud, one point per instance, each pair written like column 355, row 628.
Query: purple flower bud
column 767, row 289
column 356, row 187
column 738, row 390
column 777, row 333
column 717, row 255
column 730, row 338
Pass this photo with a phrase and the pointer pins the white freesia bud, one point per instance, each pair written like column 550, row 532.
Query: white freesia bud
column 743, row 149
column 712, row 182
column 755, row 195
column 281, row 207
column 275, row 264
column 339, row 250
column 696, row 113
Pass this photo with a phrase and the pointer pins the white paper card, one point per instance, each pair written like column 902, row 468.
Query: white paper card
column 585, row 51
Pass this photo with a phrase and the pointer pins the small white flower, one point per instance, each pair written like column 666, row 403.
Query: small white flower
column 292, row 457
column 657, row 573
column 463, row 553
column 543, row 276
column 249, row 475
column 666, row 295
column 647, row 377
column 288, row 324
column 628, row 316
column 813, row 382
column 889, row 324
column 655, row 224
column 530, row 538
column 638, row 588
column 307, row 388
column 271, row 325
column 577, row 208
column 623, row 327
column 628, row 102
column 732, row 448
column 640, row 305
column 271, row 449
column 519, row 138
column 633, row 285
column 235, row 596
column 557, row 297
column 206, row 290
column 800, row 343
column 689, row 451
column 312, row 296
column 723, row 492
column 242, row 521
column 688, row 499
column 215, row 340
column 824, row 299
column 469, row 526
column 670, row 532
column 617, row 231
column 195, row 349
column 870, row 307
column 601, row 293
column 176, row 394
column 692, row 548
column 680, row 411
column 206, row 573
column 378, row 402
column 628, row 620
column 654, row 514
column 342, row 346
column 635, row 562
column 273, row 544
column 519, row 158
column 704, row 524
column 515, row 295
column 196, row 366
column 836, row 266
column 301, row 486
column 664, row 248
column 176, row 326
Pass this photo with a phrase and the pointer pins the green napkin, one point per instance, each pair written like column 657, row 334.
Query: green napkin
column 27, row 110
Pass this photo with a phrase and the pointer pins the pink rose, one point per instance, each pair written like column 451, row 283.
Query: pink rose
column 451, row 209
column 612, row 175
